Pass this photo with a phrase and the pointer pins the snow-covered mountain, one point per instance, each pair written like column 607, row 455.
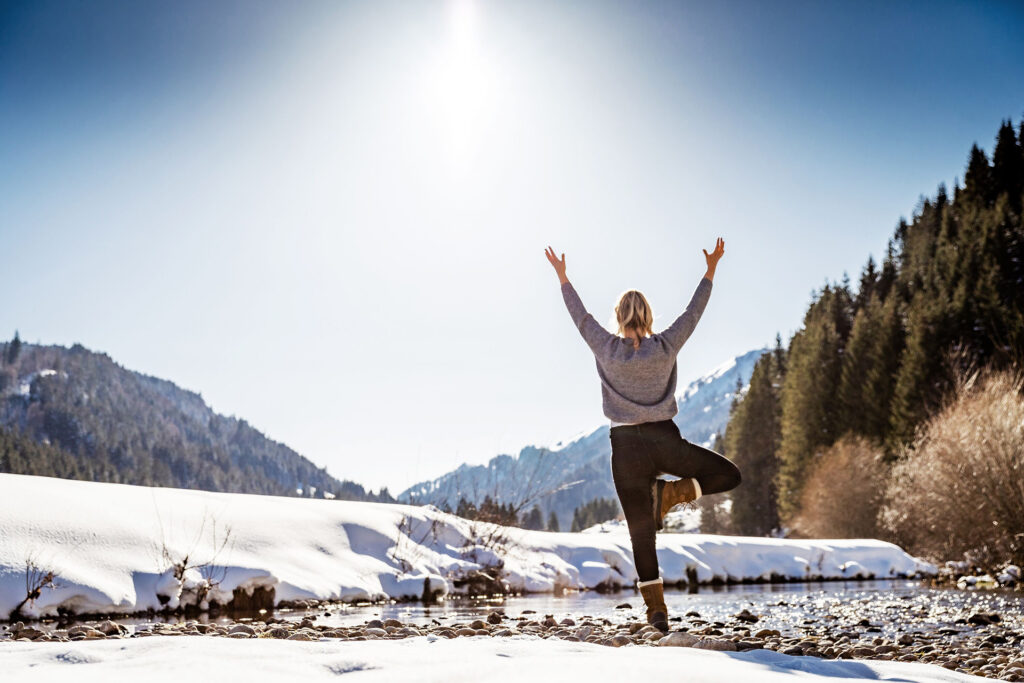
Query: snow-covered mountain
column 566, row 474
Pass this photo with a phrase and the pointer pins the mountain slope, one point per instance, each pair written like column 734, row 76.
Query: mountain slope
column 569, row 473
column 77, row 414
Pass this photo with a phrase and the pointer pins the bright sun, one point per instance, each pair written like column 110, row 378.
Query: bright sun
column 460, row 83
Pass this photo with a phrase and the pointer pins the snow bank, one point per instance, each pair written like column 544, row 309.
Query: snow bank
column 429, row 658
column 113, row 548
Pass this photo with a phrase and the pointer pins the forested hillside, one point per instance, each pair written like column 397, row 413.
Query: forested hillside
column 874, row 360
column 76, row 414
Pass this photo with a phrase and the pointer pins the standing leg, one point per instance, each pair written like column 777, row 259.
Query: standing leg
column 633, row 476
column 637, row 503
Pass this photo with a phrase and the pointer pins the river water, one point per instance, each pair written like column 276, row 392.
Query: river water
column 886, row 607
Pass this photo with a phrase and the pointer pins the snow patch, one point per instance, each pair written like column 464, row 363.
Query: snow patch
column 116, row 548
column 165, row 659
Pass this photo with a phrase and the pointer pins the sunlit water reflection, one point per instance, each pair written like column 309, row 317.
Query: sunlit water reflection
column 886, row 607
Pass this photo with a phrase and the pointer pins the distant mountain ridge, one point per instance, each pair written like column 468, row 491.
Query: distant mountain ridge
column 571, row 472
column 76, row 414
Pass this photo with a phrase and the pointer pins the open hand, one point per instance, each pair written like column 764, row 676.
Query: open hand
column 558, row 265
column 713, row 257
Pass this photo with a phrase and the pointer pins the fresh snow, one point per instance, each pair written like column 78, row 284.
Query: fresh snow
column 24, row 385
column 683, row 520
column 429, row 658
column 108, row 546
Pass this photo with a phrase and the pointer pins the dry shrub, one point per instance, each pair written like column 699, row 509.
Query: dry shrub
column 843, row 492
column 959, row 489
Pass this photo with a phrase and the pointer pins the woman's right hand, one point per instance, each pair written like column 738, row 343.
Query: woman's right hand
column 558, row 265
column 713, row 257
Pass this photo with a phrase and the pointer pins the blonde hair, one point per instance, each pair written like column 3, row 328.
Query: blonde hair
column 633, row 312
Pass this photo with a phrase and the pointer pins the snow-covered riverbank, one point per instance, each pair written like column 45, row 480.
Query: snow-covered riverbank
column 519, row 658
column 113, row 549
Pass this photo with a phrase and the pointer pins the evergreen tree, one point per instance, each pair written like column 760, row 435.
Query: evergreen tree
column 883, row 352
column 466, row 509
column 1008, row 166
column 594, row 512
column 534, row 519
column 14, row 349
column 780, row 356
column 978, row 184
column 809, row 395
column 553, row 522
column 868, row 282
column 752, row 441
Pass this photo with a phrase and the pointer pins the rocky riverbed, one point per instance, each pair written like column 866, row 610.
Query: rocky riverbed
column 904, row 628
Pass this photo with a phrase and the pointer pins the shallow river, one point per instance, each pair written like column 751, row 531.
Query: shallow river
column 886, row 607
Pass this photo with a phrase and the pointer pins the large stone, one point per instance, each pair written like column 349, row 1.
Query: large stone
column 716, row 644
column 679, row 639
column 109, row 628
column 983, row 618
column 619, row 640
column 28, row 632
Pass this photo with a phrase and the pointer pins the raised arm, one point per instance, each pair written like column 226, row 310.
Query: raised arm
column 679, row 331
column 592, row 332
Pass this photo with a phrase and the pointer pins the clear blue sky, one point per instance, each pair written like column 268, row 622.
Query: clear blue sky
column 330, row 218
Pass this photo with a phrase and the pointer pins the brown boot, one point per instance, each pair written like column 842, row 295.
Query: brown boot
column 654, row 597
column 668, row 494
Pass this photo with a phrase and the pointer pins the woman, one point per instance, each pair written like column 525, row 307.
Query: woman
column 637, row 368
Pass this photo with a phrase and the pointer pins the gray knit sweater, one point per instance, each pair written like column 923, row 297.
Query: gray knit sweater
column 637, row 385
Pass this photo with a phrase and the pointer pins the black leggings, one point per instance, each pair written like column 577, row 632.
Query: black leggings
column 639, row 454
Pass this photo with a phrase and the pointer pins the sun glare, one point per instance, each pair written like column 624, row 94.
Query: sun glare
column 460, row 82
